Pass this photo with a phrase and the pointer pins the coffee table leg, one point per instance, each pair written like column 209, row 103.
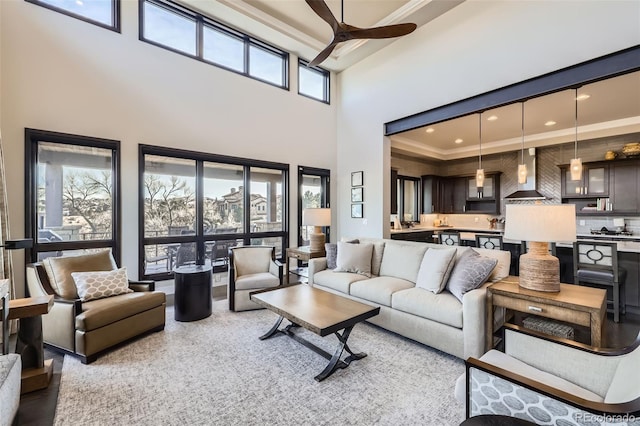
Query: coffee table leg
column 273, row 330
column 335, row 361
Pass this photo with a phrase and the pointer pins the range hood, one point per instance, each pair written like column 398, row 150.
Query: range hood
column 527, row 191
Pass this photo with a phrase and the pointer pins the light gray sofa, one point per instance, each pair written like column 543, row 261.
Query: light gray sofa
column 437, row 320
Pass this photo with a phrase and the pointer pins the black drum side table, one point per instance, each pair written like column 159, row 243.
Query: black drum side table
column 192, row 298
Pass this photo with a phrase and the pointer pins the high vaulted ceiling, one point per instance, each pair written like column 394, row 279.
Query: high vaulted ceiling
column 293, row 26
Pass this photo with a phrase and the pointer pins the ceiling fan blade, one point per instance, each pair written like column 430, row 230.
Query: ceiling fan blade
column 387, row 31
column 323, row 55
column 323, row 11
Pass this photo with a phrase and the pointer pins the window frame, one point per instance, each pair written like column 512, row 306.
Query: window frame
column 115, row 14
column 325, row 196
column 203, row 21
column 200, row 238
column 326, row 84
column 32, row 138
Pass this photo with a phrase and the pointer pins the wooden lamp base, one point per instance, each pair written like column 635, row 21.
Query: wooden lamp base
column 316, row 239
column 539, row 270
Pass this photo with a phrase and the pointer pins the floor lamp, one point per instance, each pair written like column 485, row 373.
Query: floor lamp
column 540, row 224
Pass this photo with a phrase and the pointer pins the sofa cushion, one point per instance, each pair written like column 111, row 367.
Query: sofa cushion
column 59, row 270
column 443, row 307
column 101, row 312
column 340, row 281
column 379, row 289
column 402, row 260
column 354, row 258
column 435, row 269
column 98, row 284
column 470, row 271
column 255, row 281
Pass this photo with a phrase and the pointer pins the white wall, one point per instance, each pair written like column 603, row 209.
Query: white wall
column 62, row 74
column 476, row 47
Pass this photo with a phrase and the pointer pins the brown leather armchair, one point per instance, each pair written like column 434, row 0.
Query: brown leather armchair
column 86, row 329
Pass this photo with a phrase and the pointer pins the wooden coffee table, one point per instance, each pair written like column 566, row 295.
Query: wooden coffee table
column 320, row 312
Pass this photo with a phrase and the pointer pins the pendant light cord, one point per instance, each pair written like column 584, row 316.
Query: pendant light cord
column 342, row 11
column 575, row 154
column 480, row 142
column 522, row 132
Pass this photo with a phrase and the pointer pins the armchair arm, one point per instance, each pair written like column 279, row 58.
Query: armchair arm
column 77, row 303
column 146, row 285
column 505, row 382
column 275, row 269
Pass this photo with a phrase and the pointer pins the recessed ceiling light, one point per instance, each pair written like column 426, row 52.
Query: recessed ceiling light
column 492, row 118
column 458, row 140
column 550, row 123
column 79, row 2
column 583, row 97
column 430, row 130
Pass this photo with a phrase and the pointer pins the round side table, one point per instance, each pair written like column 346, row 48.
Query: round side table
column 192, row 298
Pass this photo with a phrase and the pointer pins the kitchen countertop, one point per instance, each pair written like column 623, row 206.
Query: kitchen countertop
column 625, row 243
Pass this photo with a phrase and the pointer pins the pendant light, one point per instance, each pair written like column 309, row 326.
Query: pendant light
column 480, row 171
column 576, row 163
column 522, row 168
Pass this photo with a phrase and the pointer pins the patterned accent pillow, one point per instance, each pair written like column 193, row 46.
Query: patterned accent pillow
column 101, row 284
column 331, row 250
column 470, row 272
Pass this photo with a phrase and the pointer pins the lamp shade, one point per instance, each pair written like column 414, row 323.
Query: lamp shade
column 316, row 217
column 541, row 222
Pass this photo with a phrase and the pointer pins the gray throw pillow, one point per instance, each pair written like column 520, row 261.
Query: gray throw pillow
column 470, row 272
column 331, row 250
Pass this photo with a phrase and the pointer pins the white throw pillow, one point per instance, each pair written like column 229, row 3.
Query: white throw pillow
column 435, row 269
column 354, row 258
column 101, row 284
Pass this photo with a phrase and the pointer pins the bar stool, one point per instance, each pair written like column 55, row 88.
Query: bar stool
column 450, row 238
column 489, row 241
column 596, row 263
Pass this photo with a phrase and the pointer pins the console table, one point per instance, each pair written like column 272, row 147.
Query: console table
column 574, row 304
column 36, row 371
column 303, row 253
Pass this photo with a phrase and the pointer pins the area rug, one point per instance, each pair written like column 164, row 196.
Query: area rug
column 217, row 372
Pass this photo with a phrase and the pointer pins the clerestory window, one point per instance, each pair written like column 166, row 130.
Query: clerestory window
column 182, row 30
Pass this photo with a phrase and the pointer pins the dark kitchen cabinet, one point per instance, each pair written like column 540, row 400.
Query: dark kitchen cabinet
column 432, row 194
column 454, row 194
column 594, row 182
column 624, row 181
column 486, row 201
column 394, row 191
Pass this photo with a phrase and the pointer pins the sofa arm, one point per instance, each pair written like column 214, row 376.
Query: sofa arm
column 474, row 307
column 147, row 285
column 316, row 265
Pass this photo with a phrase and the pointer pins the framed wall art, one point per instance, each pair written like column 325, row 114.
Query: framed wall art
column 357, row 194
column 357, row 211
column 356, row 178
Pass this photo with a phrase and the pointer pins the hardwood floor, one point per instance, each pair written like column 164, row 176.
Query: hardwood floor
column 38, row 408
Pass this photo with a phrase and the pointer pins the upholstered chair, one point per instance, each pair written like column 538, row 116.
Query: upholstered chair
column 251, row 268
column 550, row 380
column 95, row 306
column 10, row 366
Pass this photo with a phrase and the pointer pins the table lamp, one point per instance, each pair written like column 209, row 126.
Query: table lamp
column 317, row 218
column 540, row 224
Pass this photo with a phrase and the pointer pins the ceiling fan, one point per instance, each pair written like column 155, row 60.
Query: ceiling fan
column 344, row 32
